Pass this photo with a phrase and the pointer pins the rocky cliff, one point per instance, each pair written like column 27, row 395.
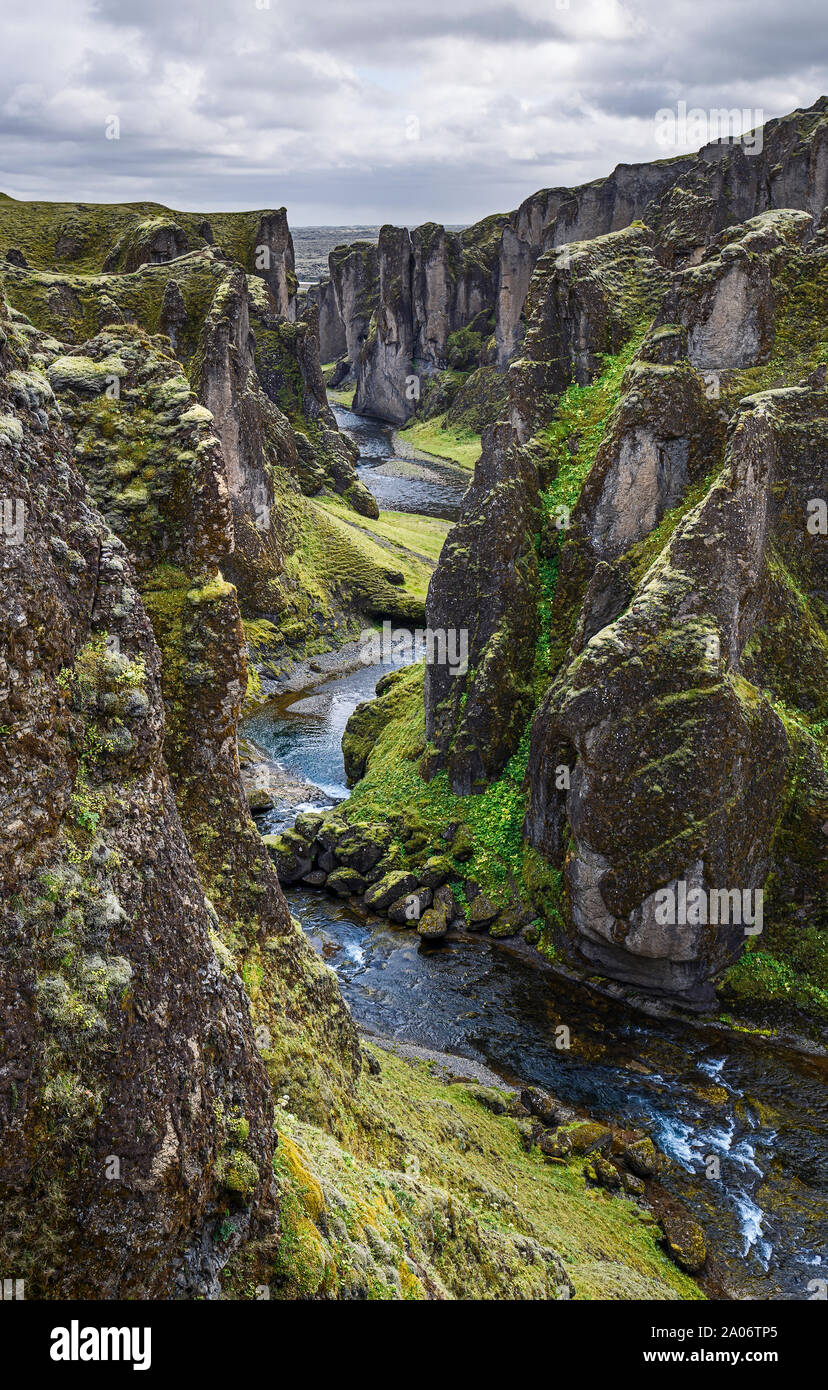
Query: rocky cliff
column 636, row 723
column 304, row 582
column 134, row 1103
column 443, row 300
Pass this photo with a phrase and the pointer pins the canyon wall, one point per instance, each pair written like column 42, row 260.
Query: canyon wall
column 393, row 324
column 640, row 542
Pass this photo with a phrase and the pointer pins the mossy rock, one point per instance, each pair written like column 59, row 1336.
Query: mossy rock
column 684, row 1242
column 641, row 1157
column 345, row 883
column 389, row 888
column 589, row 1136
column 602, row 1173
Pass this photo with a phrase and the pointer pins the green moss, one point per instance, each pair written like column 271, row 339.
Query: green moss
column 443, row 441
column 428, row 1192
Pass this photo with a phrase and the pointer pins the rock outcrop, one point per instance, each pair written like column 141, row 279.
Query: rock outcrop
column 135, row 1106
column 657, row 801
column 487, row 583
column 472, row 287
column 257, row 371
column 645, row 531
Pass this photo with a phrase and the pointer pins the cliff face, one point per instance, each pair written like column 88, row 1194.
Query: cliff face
column 433, row 285
column 642, row 814
column 642, row 528
column 351, row 302
column 257, row 370
column 487, row 582
column 437, row 283
column 135, row 1106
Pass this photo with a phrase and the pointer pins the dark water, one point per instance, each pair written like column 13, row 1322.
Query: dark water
column 308, row 740
column 761, row 1112
column 431, row 488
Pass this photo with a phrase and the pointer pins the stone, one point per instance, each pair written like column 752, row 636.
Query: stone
column 641, row 1157
column 482, row 912
column 589, row 1136
column 555, row 1144
column 289, row 865
column 434, row 921
column 600, row 1171
column 490, row 1099
column 506, row 925
column 389, row 889
column 259, row 799
column 541, row 1103
column 684, row 1241
column 436, row 871
column 307, row 824
column 345, row 882
column 408, row 910
column 361, row 848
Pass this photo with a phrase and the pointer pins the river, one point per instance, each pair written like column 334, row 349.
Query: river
column 432, row 487
column 759, row 1110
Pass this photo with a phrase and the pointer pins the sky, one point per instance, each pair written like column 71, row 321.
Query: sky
column 370, row 111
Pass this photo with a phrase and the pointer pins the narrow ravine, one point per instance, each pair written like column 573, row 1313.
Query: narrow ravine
column 727, row 1109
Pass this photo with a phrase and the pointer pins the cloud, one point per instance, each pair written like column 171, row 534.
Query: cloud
column 375, row 110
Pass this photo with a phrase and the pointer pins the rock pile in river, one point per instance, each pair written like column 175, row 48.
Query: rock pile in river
column 323, row 851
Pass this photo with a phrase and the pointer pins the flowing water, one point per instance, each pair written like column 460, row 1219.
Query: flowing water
column 431, row 487
column 754, row 1113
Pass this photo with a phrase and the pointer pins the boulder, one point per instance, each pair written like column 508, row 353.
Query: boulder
column 289, row 865
column 641, row 1157
column 555, row 1144
column 495, row 1101
column 684, row 1241
column 434, row 921
column 600, row 1171
column 259, row 799
column 389, row 889
column 361, row 848
column 345, row 883
column 307, row 824
column 589, row 1136
column 435, row 871
column 543, row 1104
column 507, row 924
column 481, row 912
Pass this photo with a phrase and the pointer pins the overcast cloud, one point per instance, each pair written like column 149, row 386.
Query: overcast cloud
column 374, row 110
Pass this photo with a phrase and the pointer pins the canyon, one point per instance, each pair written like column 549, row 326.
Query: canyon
column 615, row 400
